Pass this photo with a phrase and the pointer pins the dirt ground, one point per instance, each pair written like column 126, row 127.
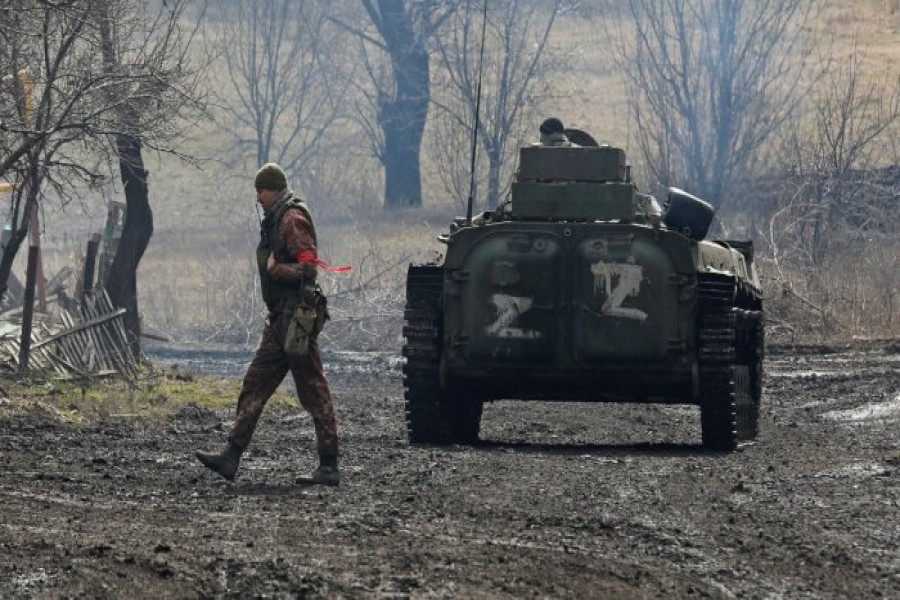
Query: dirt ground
column 560, row 501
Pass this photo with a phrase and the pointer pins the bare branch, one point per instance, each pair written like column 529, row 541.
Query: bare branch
column 711, row 83
column 516, row 58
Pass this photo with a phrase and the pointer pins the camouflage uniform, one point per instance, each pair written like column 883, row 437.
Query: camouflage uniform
column 286, row 231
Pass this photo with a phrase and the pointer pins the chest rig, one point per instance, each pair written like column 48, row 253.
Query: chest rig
column 281, row 296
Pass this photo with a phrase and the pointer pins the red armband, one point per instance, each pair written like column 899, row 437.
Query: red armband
column 309, row 256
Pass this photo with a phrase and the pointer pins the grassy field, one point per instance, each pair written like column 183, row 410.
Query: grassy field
column 197, row 278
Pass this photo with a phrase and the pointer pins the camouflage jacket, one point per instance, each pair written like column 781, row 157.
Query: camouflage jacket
column 286, row 231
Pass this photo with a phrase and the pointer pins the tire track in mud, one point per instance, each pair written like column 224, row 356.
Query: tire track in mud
column 563, row 500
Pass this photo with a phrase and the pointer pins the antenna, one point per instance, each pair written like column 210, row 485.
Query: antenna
column 477, row 116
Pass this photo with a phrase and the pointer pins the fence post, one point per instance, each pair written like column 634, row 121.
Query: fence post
column 28, row 308
column 90, row 262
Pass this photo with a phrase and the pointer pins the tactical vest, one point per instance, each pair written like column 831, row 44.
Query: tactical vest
column 280, row 296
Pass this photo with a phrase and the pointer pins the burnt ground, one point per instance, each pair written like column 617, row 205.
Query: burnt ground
column 560, row 501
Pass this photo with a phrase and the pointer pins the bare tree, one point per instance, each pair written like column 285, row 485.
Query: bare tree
column 110, row 77
column 516, row 60
column 35, row 127
column 833, row 230
column 159, row 53
column 399, row 90
column 285, row 95
column 838, row 193
column 711, row 82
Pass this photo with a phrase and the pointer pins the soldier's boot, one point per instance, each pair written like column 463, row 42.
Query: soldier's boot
column 327, row 473
column 226, row 463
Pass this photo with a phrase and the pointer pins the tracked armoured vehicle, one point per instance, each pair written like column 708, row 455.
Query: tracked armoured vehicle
column 582, row 288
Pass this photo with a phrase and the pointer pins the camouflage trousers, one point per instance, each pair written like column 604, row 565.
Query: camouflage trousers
column 266, row 372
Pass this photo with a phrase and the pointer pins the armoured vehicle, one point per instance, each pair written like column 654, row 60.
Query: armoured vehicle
column 582, row 288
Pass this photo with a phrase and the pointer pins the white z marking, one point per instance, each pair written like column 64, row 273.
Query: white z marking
column 627, row 278
column 508, row 310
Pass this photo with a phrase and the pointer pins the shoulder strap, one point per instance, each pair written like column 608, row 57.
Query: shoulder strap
column 298, row 203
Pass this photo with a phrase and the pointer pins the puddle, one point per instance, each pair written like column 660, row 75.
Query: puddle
column 793, row 374
column 857, row 469
column 233, row 361
column 888, row 412
column 38, row 578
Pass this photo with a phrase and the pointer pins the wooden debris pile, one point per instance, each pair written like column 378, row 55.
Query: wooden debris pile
column 86, row 341
column 83, row 337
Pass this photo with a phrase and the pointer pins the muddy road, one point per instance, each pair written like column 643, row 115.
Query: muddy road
column 560, row 501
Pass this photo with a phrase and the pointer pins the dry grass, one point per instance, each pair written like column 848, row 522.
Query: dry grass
column 159, row 394
column 207, row 298
column 855, row 295
column 871, row 26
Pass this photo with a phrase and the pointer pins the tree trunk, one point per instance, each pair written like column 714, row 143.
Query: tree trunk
column 10, row 250
column 402, row 115
column 121, row 284
column 27, row 199
column 121, row 281
column 495, row 162
column 402, row 176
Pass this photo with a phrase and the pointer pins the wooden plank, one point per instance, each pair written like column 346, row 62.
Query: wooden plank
column 80, row 327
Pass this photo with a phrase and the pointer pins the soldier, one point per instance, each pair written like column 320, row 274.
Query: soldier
column 287, row 261
column 553, row 133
